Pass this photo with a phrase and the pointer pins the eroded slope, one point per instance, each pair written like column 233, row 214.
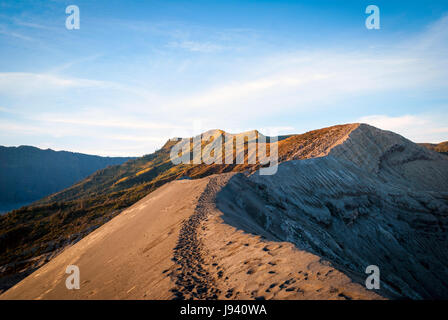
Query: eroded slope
column 376, row 199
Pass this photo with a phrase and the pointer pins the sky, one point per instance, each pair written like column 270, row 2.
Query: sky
column 137, row 73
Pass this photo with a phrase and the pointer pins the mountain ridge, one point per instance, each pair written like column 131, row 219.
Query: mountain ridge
column 393, row 161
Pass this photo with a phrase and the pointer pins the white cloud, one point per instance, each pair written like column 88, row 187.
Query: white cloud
column 13, row 34
column 418, row 128
column 296, row 80
column 301, row 80
column 196, row 46
column 139, row 138
column 23, row 82
column 307, row 80
column 103, row 120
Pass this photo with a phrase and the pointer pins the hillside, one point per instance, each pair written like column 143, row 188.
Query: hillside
column 343, row 198
column 439, row 147
column 28, row 174
column 34, row 235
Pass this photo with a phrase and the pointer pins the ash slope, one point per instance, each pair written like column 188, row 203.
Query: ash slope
column 376, row 199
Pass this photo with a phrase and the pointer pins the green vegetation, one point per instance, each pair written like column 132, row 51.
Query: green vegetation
column 67, row 215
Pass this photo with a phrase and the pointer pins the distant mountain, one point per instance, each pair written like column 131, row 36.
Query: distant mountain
column 439, row 147
column 28, row 174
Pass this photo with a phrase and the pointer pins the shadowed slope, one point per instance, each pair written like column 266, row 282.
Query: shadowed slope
column 376, row 199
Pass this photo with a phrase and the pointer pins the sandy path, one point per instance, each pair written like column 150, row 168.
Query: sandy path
column 191, row 279
column 127, row 258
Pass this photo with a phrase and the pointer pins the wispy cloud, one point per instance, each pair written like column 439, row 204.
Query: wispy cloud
column 94, row 119
column 13, row 82
column 300, row 79
column 317, row 78
column 32, row 25
column 195, row 46
column 416, row 127
column 25, row 84
column 14, row 34
column 70, row 64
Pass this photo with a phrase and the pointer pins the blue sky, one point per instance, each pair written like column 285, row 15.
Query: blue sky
column 139, row 72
